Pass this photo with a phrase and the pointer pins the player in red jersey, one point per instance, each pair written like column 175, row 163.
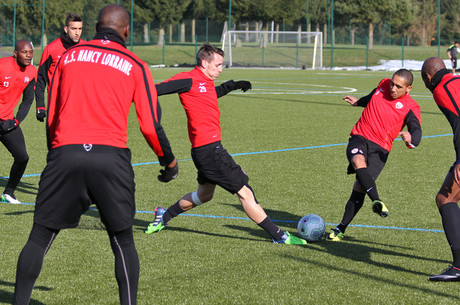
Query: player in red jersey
column 88, row 162
column 215, row 166
column 446, row 93
column 70, row 36
column 17, row 77
column 387, row 109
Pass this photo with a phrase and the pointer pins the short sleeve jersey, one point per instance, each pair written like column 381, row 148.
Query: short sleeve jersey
column 384, row 117
column 13, row 81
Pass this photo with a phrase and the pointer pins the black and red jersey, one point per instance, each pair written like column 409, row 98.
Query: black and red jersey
column 447, row 96
column 91, row 93
column 14, row 82
column 198, row 96
column 384, row 117
column 48, row 62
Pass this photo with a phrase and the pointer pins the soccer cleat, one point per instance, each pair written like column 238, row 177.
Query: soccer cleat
column 452, row 274
column 380, row 208
column 10, row 199
column 335, row 235
column 289, row 239
column 157, row 225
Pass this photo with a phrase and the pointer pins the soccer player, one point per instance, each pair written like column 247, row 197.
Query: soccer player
column 452, row 51
column 17, row 77
column 91, row 94
column 70, row 36
column 387, row 109
column 215, row 166
column 446, row 93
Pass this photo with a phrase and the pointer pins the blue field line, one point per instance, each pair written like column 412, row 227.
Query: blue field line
column 295, row 221
column 264, row 152
column 279, row 220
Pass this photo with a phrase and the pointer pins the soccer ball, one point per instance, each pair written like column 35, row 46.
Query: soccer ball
column 311, row 227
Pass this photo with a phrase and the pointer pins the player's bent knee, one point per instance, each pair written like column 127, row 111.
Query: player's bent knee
column 196, row 200
column 440, row 200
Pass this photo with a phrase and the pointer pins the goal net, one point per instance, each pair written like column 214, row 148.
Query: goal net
column 275, row 49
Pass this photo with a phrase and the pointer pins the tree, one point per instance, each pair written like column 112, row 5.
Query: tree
column 164, row 11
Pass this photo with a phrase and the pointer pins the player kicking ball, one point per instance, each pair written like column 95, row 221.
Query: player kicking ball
column 387, row 109
column 215, row 166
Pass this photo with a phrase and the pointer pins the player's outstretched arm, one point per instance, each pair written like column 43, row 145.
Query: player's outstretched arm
column 231, row 85
column 351, row 100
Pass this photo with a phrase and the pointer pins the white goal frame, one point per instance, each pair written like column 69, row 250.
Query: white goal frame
column 303, row 39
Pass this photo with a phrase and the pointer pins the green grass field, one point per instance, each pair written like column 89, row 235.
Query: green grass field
column 289, row 134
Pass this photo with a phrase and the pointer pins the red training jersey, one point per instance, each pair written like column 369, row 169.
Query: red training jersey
column 13, row 82
column 447, row 96
column 384, row 117
column 201, row 106
column 50, row 57
column 91, row 94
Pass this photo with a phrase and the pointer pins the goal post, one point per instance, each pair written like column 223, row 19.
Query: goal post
column 277, row 49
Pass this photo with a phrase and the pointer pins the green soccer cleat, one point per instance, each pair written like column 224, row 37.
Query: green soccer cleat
column 380, row 208
column 335, row 235
column 157, row 225
column 289, row 239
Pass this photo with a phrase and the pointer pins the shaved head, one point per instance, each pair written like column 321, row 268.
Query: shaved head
column 114, row 17
column 22, row 44
column 433, row 65
column 429, row 68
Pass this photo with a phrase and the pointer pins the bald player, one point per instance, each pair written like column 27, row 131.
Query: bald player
column 88, row 161
column 17, row 78
column 446, row 93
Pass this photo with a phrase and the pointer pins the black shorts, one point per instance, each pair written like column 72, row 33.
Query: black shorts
column 454, row 63
column 375, row 155
column 75, row 177
column 216, row 166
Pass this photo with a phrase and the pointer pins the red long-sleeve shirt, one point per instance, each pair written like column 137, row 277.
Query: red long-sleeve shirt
column 14, row 82
column 198, row 96
column 447, row 96
column 91, row 93
column 48, row 62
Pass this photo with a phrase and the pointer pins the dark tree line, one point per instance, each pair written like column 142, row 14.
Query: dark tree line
column 416, row 20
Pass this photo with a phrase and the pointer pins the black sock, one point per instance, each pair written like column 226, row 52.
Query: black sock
column 352, row 207
column 272, row 229
column 126, row 265
column 172, row 212
column 30, row 262
column 366, row 181
column 450, row 214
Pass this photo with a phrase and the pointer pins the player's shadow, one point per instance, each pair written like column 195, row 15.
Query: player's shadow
column 370, row 276
column 207, row 233
column 19, row 213
column 281, row 218
column 23, row 187
column 360, row 251
column 6, row 297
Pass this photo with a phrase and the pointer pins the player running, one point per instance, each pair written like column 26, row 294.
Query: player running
column 446, row 93
column 215, row 166
column 17, row 77
column 70, row 36
column 387, row 109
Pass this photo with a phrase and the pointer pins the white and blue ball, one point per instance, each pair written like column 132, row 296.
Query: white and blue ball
column 311, row 227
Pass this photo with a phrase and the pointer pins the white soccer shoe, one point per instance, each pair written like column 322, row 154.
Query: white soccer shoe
column 10, row 199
